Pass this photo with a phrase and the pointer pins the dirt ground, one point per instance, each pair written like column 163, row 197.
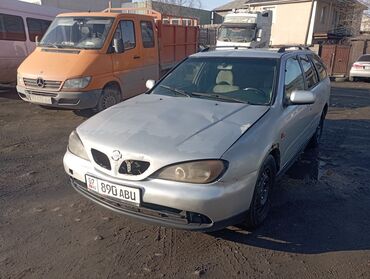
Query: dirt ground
column 319, row 225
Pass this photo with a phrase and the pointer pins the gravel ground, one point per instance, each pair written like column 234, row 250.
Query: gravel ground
column 319, row 225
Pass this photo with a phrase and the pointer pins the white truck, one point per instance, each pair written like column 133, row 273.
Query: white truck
column 245, row 28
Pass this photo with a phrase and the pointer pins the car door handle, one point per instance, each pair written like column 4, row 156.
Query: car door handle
column 137, row 57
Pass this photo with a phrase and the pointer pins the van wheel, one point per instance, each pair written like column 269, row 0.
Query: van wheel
column 261, row 201
column 110, row 96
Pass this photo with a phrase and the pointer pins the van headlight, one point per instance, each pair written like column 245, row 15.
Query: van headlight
column 20, row 80
column 199, row 172
column 76, row 147
column 77, row 83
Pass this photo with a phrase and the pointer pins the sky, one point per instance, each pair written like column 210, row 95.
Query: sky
column 211, row 4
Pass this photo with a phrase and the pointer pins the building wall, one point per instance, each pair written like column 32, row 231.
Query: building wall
column 83, row 5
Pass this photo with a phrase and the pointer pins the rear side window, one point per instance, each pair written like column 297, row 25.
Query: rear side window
column 37, row 27
column 319, row 67
column 293, row 77
column 364, row 58
column 147, row 34
column 309, row 72
column 12, row 28
column 128, row 34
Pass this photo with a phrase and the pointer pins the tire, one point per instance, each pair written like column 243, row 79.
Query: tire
column 110, row 96
column 316, row 138
column 261, row 201
column 351, row 79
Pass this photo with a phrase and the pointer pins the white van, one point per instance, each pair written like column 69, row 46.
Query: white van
column 20, row 23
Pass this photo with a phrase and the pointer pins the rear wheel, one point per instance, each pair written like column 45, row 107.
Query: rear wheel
column 110, row 96
column 261, row 201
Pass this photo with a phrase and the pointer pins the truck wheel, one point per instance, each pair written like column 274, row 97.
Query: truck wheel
column 110, row 96
column 261, row 201
column 315, row 140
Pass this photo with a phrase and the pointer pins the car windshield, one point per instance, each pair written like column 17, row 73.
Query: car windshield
column 236, row 34
column 77, row 32
column 246, row 80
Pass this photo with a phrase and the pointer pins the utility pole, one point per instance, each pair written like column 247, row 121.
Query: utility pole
column 309, row 23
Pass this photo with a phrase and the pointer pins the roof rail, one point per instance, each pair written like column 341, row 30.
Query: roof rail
column 208, row 48
column 284, row 48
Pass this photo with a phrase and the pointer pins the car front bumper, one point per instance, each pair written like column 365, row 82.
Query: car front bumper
column 172, row 204
column 61, row 99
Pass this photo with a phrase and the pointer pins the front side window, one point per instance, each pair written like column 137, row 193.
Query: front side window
column 147, row 34
column 126, row 32
column 293, row 77
column 245, row 80
column 12, row 28
column 37, row 27
column 236, row 34
column 309, row 72
column 77, row 32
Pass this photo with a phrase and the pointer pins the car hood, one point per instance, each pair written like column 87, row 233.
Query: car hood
column 169, row 129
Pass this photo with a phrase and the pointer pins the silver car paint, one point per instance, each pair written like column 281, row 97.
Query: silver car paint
column 166, row 130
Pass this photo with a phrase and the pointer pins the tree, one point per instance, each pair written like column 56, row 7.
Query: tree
column 186, row 3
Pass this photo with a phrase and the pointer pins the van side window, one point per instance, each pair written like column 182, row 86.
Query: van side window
column 37, row 27
column 147, row 34
column 12, row 28
column 293, row 77
column 128, row 34
column 309, row 72
column 319, row 67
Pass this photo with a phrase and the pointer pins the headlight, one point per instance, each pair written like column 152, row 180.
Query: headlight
column 200, row 172
column 19, row 79
column 77, row 83
column 76, row 147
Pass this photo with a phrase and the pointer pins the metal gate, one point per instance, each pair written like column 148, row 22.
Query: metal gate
column 336, row 58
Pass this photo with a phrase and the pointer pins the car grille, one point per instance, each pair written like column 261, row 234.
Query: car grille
column 101, row 159
column 133, row 167
column 48, row 84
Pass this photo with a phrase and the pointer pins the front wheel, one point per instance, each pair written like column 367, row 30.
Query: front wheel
column 110, row 96
column 261, row 201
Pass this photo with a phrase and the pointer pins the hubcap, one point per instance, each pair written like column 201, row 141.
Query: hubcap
column 109, row 101
column 264, row 191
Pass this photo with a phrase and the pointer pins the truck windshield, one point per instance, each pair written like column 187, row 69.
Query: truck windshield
column 77, row 32
column 245, row 80
column 236, row 34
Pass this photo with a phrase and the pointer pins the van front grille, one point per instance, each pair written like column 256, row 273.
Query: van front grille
column 47, row 84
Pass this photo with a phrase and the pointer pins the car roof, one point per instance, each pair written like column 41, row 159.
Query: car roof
column 253, row 53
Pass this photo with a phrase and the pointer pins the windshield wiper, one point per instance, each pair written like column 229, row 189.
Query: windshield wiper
column 181, row 92
column 217, row 96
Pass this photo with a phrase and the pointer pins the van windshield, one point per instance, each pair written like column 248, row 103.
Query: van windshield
column 77, row 32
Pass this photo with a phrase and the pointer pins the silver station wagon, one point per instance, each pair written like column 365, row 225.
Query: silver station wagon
column 202, row 148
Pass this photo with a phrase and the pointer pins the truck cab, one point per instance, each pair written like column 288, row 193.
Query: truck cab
column 245, row 28
column 95, row 60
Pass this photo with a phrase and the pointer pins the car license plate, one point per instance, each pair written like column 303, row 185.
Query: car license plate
column 40, row 99
column 113, row 190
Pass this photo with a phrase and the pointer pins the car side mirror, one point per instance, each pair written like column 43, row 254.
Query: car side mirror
column 302, row 97
column 150, row 84
column 118, row 45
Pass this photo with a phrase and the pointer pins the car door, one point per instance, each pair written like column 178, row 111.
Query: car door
column 293, row 119
column 312, row 112
column 126, row 65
